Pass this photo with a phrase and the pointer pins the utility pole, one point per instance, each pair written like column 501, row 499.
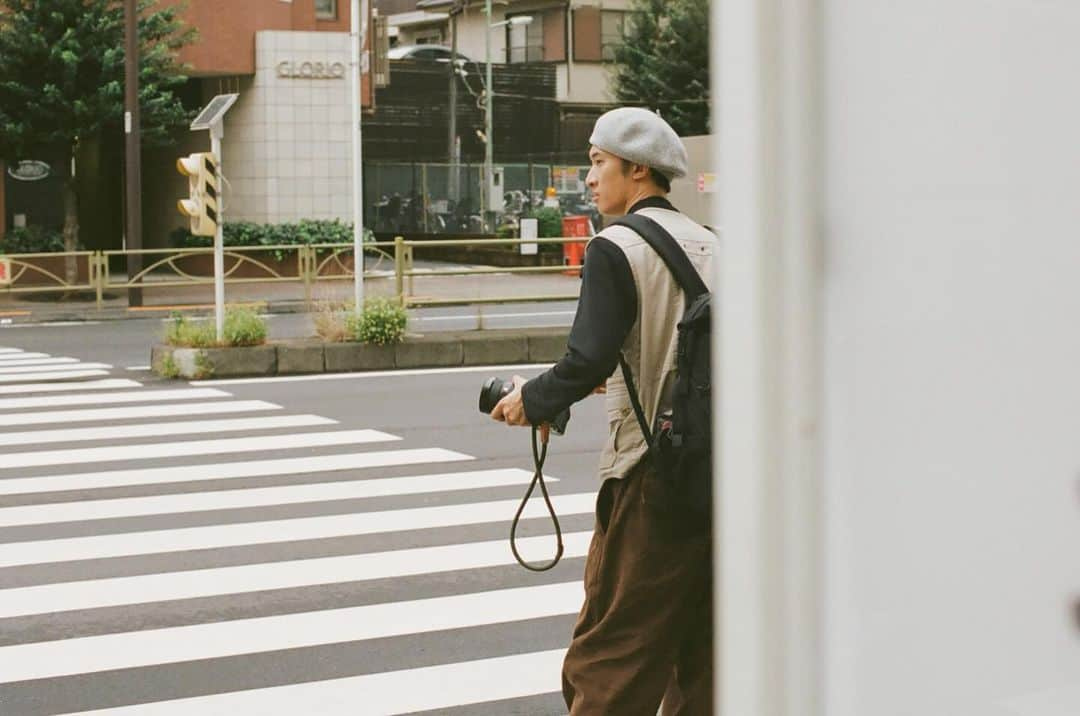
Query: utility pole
column 450, row 147
column 132, row 148
column 489, row 132
column 358, row 15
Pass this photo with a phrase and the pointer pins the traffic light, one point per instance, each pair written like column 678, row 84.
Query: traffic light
column 201, row 206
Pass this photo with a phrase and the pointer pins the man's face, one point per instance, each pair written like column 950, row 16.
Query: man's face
column 608, row 182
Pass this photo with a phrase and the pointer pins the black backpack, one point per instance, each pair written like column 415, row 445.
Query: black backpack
column 680, row 442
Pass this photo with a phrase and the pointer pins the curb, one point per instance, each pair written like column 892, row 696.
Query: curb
column 26, row 314
column 442, row 350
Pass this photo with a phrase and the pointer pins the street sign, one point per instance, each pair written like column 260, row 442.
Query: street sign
column 530, row 229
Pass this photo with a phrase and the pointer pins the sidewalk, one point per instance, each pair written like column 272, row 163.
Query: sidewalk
column 284, row 297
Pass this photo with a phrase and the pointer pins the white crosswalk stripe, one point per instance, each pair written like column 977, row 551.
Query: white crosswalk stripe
column 51, row 417
column 5, row 370
column 228, row 470
column 207, row 641
column 193, row 447
column 67, row 387
column 259, row 497
column 43, row 360
column 289, row 537
column 392, row 692
column 118, row 591
column 140, row 396
column 148, row 430
column 58, row 375
column 302, row 528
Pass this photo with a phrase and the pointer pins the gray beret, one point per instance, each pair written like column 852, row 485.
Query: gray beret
column 641, row 137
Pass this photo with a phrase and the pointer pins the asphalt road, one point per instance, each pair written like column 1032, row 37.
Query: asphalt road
column 313, row 545
column 126, row 343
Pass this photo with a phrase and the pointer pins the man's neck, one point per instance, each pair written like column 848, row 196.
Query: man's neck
column 641, row 196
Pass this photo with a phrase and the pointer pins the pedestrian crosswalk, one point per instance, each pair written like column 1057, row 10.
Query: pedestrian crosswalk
column 185, row 550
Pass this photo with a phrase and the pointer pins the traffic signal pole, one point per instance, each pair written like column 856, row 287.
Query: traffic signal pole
column 217, row 132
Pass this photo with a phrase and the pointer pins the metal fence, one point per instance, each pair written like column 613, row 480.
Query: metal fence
column 306, row 265
column 432, row 198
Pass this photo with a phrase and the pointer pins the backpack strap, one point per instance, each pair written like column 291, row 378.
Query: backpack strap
column 669, row 250
column 631, row 389
column 685, row 275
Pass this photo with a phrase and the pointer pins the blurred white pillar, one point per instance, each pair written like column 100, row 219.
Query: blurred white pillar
column 767, row 86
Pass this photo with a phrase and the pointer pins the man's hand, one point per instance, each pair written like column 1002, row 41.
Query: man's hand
column 511, row 410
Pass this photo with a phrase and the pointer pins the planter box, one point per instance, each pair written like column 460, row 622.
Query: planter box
column 435, row 350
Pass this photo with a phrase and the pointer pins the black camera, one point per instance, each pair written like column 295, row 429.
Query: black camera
column 495, row 389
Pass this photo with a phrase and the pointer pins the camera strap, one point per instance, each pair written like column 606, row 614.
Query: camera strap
column 539, row 455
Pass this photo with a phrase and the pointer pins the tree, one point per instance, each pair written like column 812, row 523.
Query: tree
column 62, row 80
column 663, row 62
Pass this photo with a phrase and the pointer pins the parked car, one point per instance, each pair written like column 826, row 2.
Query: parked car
column 430, row 53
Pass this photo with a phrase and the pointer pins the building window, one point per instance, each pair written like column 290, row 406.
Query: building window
column 612, row 27
column 542, row 40
column 525, row 43
column 326, row 9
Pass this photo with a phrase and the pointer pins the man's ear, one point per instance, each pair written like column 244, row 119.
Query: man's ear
column 640, row 172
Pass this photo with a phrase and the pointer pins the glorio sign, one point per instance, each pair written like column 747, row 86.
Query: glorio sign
column 311, row 70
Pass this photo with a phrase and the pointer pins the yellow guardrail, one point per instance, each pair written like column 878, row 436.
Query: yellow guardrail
column 49, row 272
column 305, row 264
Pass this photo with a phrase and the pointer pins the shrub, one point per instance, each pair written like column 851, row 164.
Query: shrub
column 549, row 222
column 246, row 233
column 32, row 240
column 382, row 322
column 243, row 327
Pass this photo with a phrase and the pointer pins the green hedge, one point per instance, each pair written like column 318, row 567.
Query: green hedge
column 32, row 240
column 301, row 233
column 549, row 222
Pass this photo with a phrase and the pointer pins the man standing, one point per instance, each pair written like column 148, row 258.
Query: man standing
column 644, row 633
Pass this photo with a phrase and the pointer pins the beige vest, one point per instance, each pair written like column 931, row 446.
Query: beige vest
column 650, row 346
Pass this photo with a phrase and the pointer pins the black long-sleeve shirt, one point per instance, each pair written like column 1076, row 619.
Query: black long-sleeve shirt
column 607, row 309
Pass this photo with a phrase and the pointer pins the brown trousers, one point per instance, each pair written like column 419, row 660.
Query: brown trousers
column 645, row 630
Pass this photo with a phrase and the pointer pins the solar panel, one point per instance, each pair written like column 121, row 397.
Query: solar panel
column 214, row 111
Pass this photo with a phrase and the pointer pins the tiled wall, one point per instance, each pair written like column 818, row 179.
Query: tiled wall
column 286, row 149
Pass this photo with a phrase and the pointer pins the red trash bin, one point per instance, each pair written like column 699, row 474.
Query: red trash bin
column 574, row 252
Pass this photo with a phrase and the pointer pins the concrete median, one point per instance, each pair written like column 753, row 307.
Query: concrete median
column 496, row 347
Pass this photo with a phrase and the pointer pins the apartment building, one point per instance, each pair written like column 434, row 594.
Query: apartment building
column 577, row 37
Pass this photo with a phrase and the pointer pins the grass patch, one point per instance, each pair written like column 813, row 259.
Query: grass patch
column 383, row 322
column 169, row 369
column 243, row 327
column 329, row 320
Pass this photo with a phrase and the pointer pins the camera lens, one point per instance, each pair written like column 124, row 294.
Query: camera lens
column 493, row 391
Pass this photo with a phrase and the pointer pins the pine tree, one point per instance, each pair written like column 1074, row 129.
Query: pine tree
column 663, row 62
column 62, row 80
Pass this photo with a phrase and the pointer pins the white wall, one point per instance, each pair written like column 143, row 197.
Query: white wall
column 691, row 198
column 584, row 82
column 286, row 149
column 952, row 357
